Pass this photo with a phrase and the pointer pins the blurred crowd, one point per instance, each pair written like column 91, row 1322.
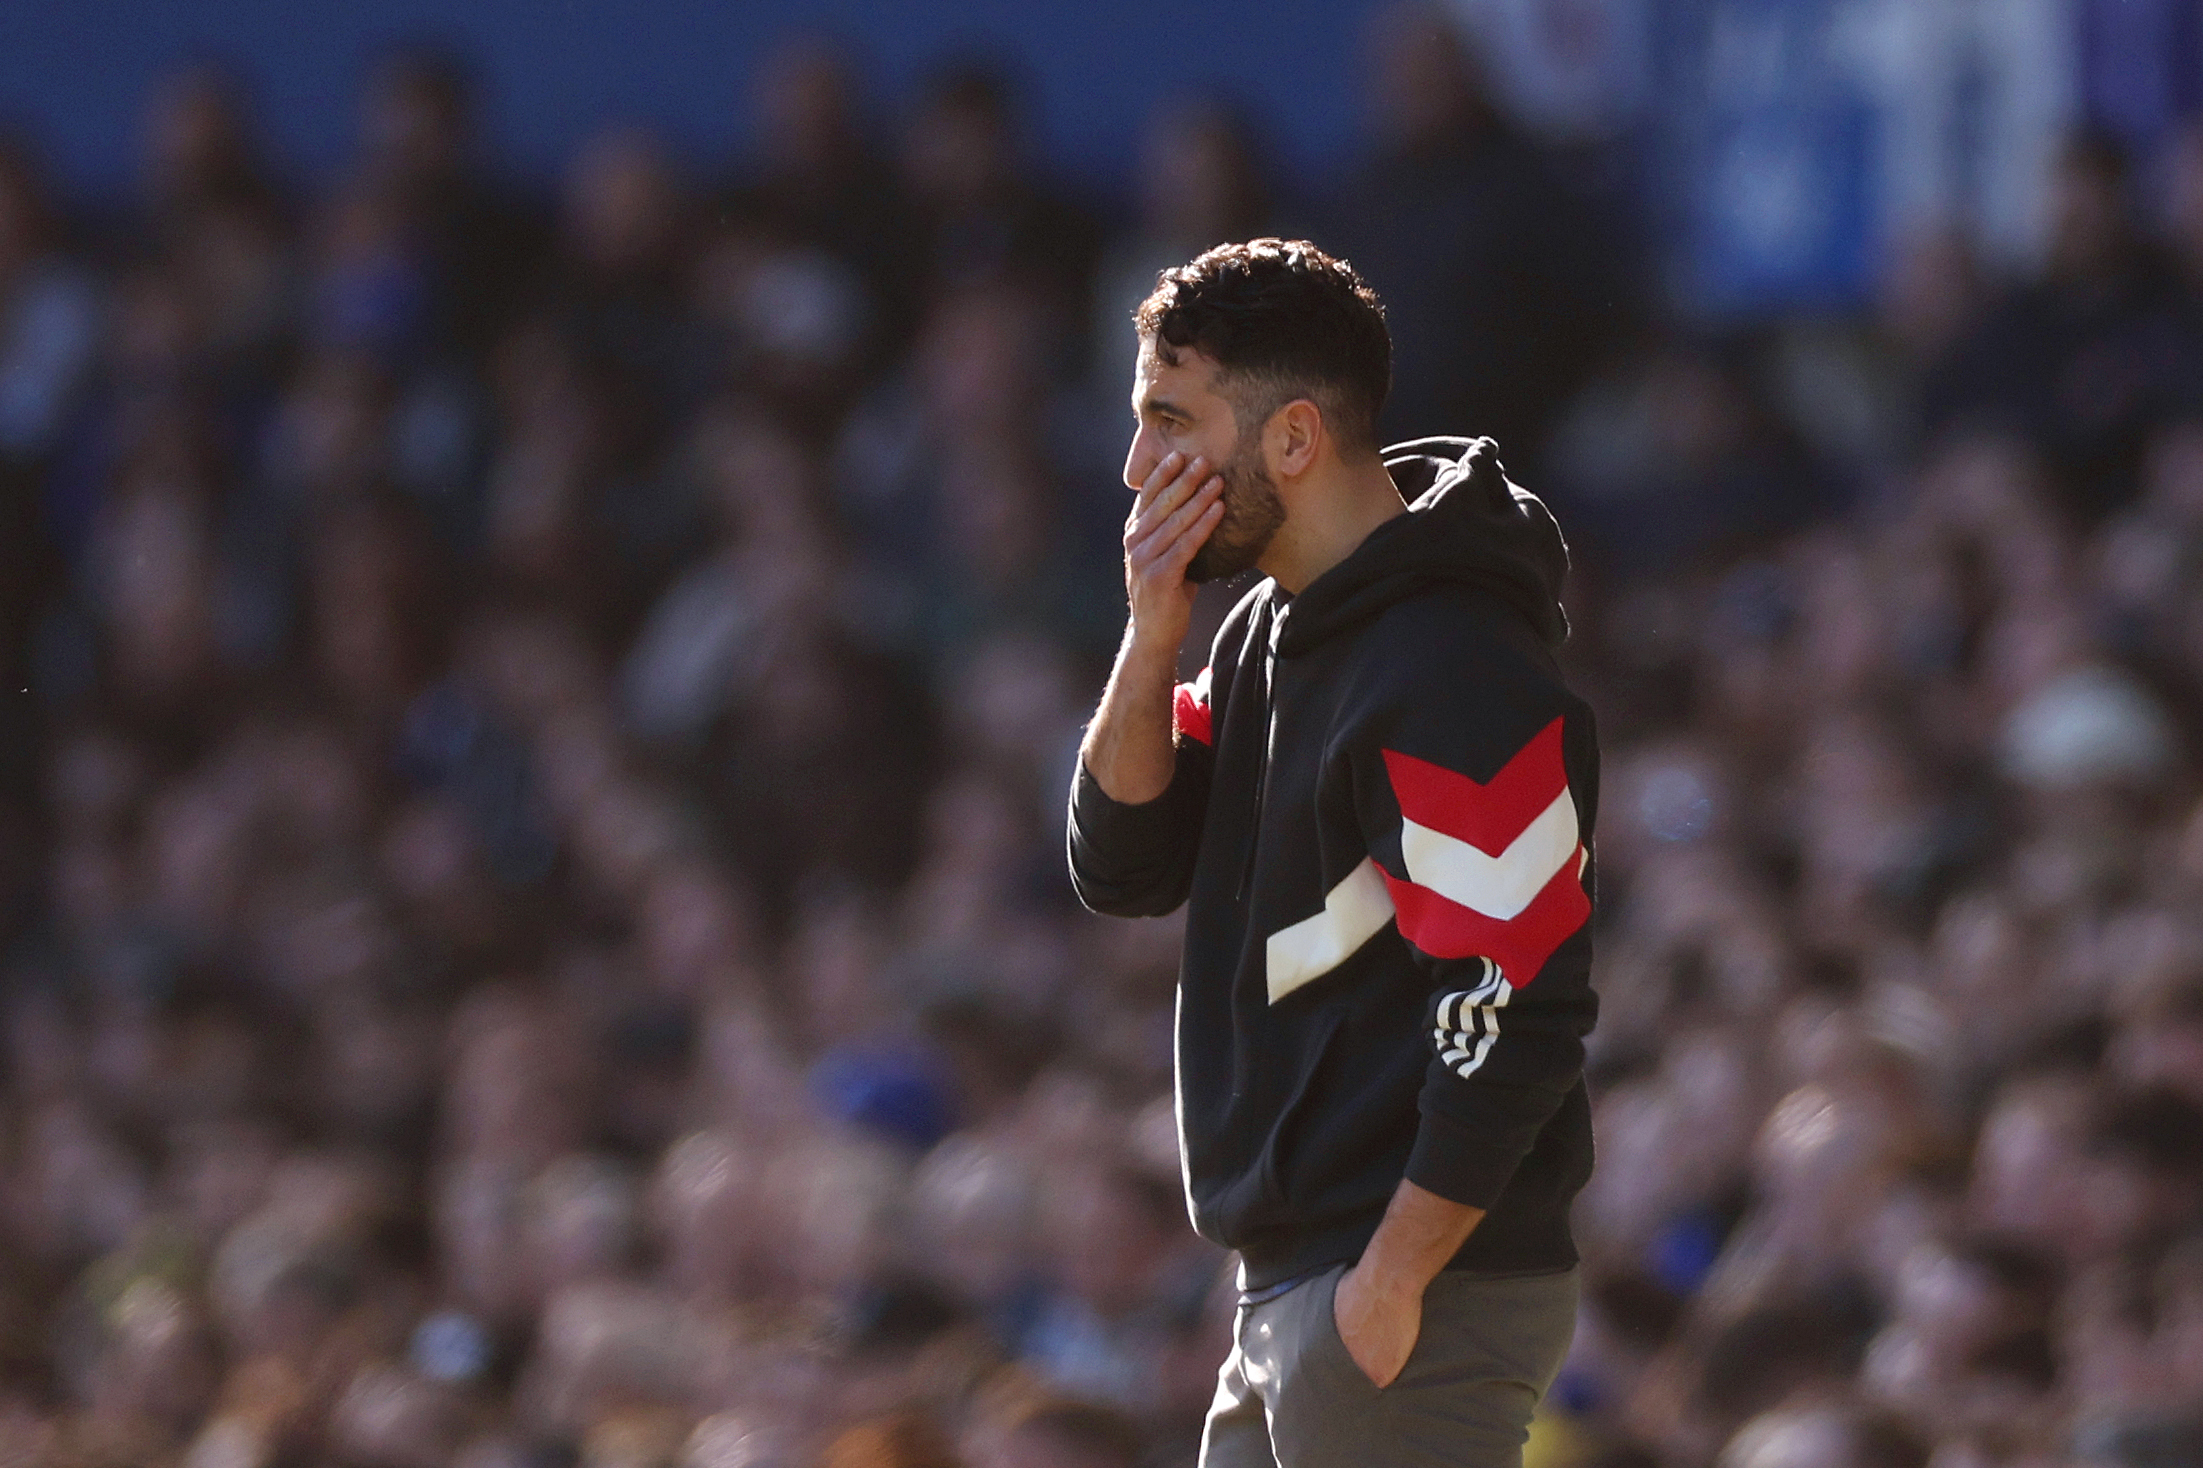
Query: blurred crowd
column 533, row 744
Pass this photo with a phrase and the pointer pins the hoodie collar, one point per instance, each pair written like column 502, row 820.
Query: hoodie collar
column 1467, row 523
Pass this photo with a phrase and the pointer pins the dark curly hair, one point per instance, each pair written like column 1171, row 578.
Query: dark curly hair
column 1282, row 320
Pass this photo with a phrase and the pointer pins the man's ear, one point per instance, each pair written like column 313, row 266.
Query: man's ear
column 1292, row 437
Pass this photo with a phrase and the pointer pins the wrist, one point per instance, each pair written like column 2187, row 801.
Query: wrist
column 1420, row 1234
column 1390, row 1278
column 1150, row 656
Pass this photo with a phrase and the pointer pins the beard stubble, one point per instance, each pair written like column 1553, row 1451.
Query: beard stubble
column 1252, row 514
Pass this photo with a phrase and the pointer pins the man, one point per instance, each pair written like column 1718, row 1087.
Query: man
column 1377, row 804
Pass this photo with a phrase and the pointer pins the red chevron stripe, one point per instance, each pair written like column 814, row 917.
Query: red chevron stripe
column 1490, row 815
column 1520, row 946
column 1189, row 714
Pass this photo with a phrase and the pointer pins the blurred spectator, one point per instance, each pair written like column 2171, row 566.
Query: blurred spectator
column 1830, row 1435
column 830, row 280
column 49, row 314
column 1064, row 1434
column 2086, row 359
column 214, row 215
column 1674, row 456
column 1200, row 184
column 50, row 322
column 615, row 306
column 1498, row 289
column 947, row 483
column 983, row 216
column 419, row 157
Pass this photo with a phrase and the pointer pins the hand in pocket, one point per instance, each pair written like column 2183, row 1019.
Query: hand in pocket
column 1378, row 1323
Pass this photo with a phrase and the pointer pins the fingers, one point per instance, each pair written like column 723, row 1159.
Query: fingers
column 1167, row 486
column 1181, row 551
column 1175, row 504
column 1178, row 507
column 1172, row 527
column 1152, row 540
column 1162, row 558
column 1166, row 470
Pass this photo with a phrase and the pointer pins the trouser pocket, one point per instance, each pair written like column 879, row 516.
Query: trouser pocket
column 1485, row 1353
column 1320, row 1331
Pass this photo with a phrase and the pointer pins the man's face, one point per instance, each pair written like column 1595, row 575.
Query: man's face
column 1180, row 410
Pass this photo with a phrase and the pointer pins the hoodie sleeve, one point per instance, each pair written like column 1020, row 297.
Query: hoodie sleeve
column 1137, row 860
column 1476, row 791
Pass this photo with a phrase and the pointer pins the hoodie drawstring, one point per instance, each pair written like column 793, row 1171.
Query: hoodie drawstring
column 1269, row 737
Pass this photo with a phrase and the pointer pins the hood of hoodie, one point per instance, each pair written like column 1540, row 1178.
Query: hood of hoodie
column 1465, row 523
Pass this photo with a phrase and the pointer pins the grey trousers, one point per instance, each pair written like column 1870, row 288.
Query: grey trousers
column 1290, row 1396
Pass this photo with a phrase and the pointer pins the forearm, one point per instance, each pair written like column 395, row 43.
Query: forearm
column 1420, row 1233
column 1379, row 1302
column 1128, row 747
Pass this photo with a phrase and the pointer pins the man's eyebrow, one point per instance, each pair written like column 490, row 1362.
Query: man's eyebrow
column 1151, row 406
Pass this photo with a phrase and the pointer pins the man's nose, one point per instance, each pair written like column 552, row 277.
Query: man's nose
column 1140, row 460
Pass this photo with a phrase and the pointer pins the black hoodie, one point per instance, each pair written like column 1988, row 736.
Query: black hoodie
column 1380, row 822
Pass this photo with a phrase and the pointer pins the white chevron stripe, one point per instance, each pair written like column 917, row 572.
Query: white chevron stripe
column 1497, row 886
column 1353, row 912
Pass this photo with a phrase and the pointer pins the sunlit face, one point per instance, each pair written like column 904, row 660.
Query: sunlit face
column 1179, row 410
